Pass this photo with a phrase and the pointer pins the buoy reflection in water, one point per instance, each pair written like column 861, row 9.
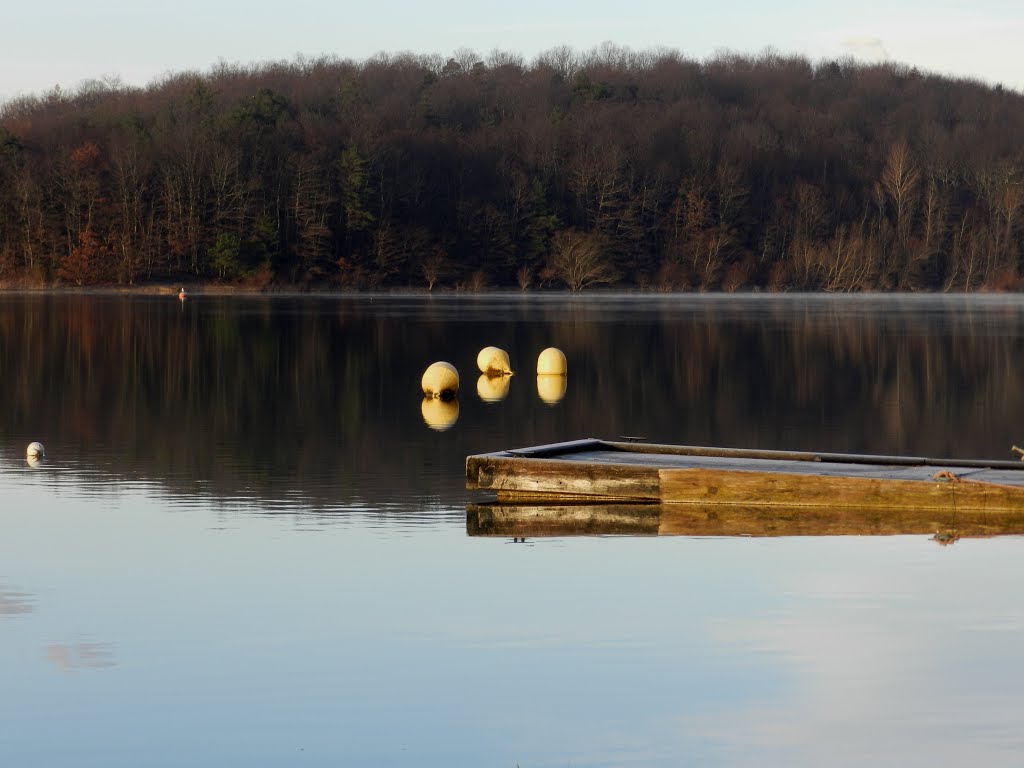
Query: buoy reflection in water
column 551, row 387
column 439, row 414
column 493, row 389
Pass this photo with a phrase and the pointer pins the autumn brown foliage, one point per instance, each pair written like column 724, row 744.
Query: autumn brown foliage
column 734, row 173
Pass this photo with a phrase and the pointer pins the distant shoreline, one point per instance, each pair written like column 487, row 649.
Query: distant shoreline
column 217, row 289
column 161, row 289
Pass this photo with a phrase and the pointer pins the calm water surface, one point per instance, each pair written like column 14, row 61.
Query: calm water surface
column 248, row 547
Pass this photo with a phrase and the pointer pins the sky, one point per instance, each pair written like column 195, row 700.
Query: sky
column 66, row 42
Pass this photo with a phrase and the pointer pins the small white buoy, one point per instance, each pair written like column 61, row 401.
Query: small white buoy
column 551, row 387
column 438, row 414
column 493, row 361
column 492, row 389
column 440, row 380
column 34, row 454
column 551, row 362
column 182, row 295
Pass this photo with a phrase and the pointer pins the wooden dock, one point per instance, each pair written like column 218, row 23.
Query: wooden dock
column 595, row 471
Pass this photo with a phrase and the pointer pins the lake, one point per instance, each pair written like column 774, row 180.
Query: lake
column 248, row 547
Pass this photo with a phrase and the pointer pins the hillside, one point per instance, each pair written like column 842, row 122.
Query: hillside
column 613, row 167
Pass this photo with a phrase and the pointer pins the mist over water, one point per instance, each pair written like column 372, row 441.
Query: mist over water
column 248, row 541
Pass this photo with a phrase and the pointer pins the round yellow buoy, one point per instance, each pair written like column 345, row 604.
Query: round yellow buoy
column 439, row 414
column 551, row 387
column 551, row 361
column 493, row 361
column 440, row 380
column 492, row 389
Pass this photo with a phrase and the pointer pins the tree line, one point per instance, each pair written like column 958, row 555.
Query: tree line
column 639, row 169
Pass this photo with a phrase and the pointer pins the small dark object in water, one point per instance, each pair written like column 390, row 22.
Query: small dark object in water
column 945, row 538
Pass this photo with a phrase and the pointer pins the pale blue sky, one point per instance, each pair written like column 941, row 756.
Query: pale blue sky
column 43, row 44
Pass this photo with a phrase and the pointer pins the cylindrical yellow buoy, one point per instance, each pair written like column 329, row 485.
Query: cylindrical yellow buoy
column 439, row 414
column 551, row 361
column 440, row 380
column 551, row 387
column 492, row 389
column 493, row 361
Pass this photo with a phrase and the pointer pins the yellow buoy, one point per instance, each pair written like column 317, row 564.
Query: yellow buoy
column 439, row 414
column 551, row 361
column 440, row 380
column 492, row 389
column 551, row 387
column 493, row 361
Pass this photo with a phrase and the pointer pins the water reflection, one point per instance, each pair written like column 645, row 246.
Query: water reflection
column 551, row 387
column 251, row 394
column 244, row 501
column 440, row 414
column 67, row 657
column 493, row 389
column 14, row 603
column 542, row 520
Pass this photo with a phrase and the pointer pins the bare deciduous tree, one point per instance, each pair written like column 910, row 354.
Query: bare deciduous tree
column 900, row 179
column 578, row 261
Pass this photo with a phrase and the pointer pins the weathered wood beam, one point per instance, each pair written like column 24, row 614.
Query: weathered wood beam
column 716, row 486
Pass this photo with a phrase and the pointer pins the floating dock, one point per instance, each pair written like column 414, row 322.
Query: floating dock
column 607, row 472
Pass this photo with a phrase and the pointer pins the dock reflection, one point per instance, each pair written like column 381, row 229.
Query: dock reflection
column 535, row 521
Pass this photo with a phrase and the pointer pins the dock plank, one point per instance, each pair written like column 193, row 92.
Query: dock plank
column 700, row 485
column 513, row 478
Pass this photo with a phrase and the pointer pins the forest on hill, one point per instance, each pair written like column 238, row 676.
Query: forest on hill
column 635, row 169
